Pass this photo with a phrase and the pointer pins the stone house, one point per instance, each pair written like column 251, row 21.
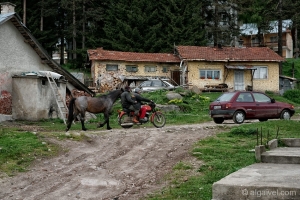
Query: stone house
column 246, row 68
column 112, row 69
column 25, row 92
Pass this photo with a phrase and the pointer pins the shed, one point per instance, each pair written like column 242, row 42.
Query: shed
column 33, row 97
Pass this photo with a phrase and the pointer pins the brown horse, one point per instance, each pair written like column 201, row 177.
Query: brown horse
column 102, row 104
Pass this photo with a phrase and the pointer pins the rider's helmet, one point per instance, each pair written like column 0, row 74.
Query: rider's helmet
column 137, row 90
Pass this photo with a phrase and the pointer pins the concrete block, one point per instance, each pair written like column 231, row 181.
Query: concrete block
column 291, row 142
column 265, row 181
column 258, row 151
column 282, row 155
column 5, row 117
column 273, row 144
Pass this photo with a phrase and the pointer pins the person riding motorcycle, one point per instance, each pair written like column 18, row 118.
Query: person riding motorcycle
column 128, row 101
column 138, row 105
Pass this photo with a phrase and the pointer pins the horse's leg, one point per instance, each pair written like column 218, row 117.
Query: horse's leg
column 82, row 117
column 106, row 121
column 71, row 114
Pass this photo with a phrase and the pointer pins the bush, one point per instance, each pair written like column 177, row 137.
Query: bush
column 292, row 95
column 243, row 131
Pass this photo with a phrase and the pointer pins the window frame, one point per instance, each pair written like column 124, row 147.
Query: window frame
column 258, row 70
column 152, row 68
column 132, row 68
column 165, row 69
column 112, row 67
column 214, row 74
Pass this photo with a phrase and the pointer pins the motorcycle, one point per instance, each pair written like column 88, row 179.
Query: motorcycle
column 156, row 117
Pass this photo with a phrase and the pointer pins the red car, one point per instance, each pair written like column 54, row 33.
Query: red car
column 241, row 105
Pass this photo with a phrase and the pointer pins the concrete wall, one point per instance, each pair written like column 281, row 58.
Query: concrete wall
column 271, row 83
column 33, row 97
column 16, row 56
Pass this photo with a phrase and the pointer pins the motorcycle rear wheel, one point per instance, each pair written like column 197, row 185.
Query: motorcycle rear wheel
column 159, row 120
column 124, row 121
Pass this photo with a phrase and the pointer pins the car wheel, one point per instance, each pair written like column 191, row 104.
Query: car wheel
column 263, row 120
column 285, row 114
column 239, row 117
column 218, row 120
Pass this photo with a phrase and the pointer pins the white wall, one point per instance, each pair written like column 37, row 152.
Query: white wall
column 15, row 56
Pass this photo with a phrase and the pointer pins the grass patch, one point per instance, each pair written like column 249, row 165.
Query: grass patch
column 224, row 154
column 19, row 149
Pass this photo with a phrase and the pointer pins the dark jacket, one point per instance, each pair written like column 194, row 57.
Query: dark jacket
column 139, row 100
column 127, row 99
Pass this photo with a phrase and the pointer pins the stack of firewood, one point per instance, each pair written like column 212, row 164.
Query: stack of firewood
column 5, row 103
column 109, row 81
column 75, row 94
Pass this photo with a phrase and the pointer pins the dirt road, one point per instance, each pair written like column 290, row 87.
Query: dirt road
column 117, row 164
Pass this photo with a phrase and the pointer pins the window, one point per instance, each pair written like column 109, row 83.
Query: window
column 131, row 68
column 150, row 68
column 210, row 74
column 274, row 39
column 261, row 73
column 165, row 69
column 110, row 67
column 245, row 97
column 261, row 98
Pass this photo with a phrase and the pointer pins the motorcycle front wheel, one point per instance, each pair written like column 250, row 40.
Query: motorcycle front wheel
column 158, row 120
column 125, row 121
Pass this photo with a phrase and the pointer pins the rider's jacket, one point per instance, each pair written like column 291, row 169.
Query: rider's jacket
column 127, row 99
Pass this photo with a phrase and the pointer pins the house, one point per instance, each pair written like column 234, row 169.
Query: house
column 243, row 68
column 25, row 91
column 269, row 37
column 112, row 69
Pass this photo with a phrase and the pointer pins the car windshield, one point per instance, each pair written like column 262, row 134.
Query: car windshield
column 225, row 97
column 157, row 83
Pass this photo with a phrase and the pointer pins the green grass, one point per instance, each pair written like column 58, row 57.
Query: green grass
column 224, row 154
column 19, row 149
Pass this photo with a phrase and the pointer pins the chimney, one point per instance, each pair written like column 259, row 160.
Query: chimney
column 7, row 7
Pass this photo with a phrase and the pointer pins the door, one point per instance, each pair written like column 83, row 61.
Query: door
column 239, row 80
column 175, row 76
column 265, row 108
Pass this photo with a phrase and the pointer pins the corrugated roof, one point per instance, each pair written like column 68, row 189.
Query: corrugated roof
column 5, row 17
column 228, row 54
column 101, row 54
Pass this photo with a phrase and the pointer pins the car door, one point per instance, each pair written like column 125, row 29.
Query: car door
column 246, row 102
column 265, row 107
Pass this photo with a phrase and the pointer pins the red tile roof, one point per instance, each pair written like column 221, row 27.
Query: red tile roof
column 228, row 53
column 100, row 54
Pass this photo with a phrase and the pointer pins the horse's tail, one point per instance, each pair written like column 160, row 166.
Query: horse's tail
column 71, row 105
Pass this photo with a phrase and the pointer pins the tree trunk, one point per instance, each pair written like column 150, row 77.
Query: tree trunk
column 42, row 17
column 83, row 25
column 74, row 32
column 24, row 12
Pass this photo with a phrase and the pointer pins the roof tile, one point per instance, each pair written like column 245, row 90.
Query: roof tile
column 228, row 53
column 101, row 54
